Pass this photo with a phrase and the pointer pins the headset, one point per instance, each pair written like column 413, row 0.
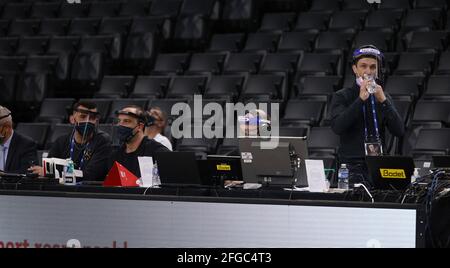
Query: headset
column 5, row 116
column 140, row 117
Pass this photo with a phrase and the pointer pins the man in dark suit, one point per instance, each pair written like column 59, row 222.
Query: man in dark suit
column 17, row 152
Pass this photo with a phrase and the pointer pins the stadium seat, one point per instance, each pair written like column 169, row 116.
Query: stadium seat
column 202, row 63
column 404, row 85
column 165, row 8
column 115, row 86
column 302, row 112
column 434, row 41
column 272, row 87
column 186, row 86
column 333, row 41
column 324, row 5
column 135, row 8
column 383, row 19
column 54, row 26
column 224, row 86
column 313, row 22
column 277, row 22
column 443, row 67
column 36, row 131
column 415, row 63
column 347, row 21
column 267, row 42
column 57, row 131
column 55, row 110
column 16, row 10
column 43, row 10
column 227, row 42
column 32, row 45
column 243, row 63
column 21, row 27
column 438, row 87
column 104, row 9
column 84, row 26
column 322, row 141
column 280, row 63
column 318, row 85
column 297, row 42
column 206, row 8
column 73, row 11
column 171, row 64
column 150, row 86
column 432, row 142
column 320, row 64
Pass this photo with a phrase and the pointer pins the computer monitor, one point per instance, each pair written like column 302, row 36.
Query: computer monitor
column 284, row 165
column 390, row 172
column 441, row 161
column 218, row 168
column 178, row 169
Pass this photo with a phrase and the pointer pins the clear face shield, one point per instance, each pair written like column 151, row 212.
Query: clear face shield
column 86, row 123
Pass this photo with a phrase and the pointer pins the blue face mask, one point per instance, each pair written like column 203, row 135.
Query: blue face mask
column 125, row 134
column 85, row 128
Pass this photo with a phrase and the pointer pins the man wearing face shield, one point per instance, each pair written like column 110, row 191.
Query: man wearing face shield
column 130, row 125
column 16, row 151
column 360, row 114
column 86, row 146
column 156, row 123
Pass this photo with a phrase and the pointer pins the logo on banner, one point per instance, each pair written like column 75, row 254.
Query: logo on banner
column 392, row 173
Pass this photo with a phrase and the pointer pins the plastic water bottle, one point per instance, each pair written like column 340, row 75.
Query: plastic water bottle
column 415, row 175
column 69, row 173
column 155, row 178
column 343, row 174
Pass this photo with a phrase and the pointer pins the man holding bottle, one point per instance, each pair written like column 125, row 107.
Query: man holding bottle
column 360, row 114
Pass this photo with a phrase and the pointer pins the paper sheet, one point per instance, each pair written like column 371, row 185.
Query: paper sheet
column 146, row 167
column 315, row 173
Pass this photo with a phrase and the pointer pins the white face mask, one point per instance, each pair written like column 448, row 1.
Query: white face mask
column 359, row 80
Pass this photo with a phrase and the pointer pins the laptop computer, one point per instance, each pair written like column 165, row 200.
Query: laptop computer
column 441, row 161
column 218, row 168
column 390, row 172
column 178, row 169
column 283, row 165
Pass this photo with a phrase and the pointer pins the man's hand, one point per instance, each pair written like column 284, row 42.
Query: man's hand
column 363, row 94
column 379, row 94
column 37, row 170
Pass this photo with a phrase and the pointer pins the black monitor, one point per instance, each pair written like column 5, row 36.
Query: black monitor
column 390, row 172
column 178, row 169
column 218, row 168
column 280, row 165
column 441, row 161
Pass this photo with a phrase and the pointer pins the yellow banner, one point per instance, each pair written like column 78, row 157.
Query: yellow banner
column 223, row 167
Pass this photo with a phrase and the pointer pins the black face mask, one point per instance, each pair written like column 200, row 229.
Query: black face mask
column 85, row 128
column 125, row 134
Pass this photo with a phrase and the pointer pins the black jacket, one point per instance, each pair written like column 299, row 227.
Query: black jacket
column 147, row 147
column 96, row 155
column 22, row 153
column 347, row 121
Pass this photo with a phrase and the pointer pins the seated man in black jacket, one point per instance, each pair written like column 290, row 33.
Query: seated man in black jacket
column 17, row 152
column 131, row 122
column 352, row 118
column 86, row 146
